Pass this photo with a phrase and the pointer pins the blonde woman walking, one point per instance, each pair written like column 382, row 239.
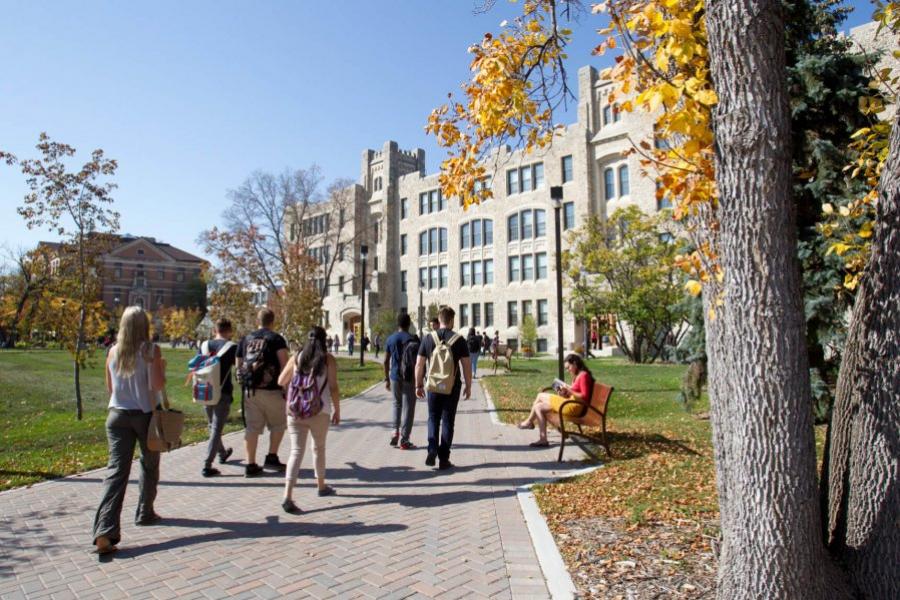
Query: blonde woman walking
column 313, row 401
column 134, row 367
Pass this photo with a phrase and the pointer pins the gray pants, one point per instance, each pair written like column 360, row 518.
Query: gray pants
column 124, row 429
column 405, row 405
column 216, row 416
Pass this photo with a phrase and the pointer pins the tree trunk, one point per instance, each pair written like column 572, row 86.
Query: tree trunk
column 79, row 344
column 862, row 469
column 759, row 383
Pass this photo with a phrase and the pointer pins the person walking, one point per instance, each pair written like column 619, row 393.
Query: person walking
column 337, row 344
column 135, row 371
column 217, row 415
column 399, row 377
column 315, row 365
column 442, row 406
column 365, row 343
column 473, row 341
column 377, row 344
column 261, row 357
column 351, row 337
column 486, row 343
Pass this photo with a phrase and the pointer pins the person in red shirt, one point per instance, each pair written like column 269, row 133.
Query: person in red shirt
column 581, row 389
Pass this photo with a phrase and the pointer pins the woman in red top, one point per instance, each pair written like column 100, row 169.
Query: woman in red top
column 581, row 389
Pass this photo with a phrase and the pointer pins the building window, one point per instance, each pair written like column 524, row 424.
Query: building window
column 542, row 344
column 512, row 228
column 488, row 314
column 464, row 236
column 512, row 181
column 527, row 224
column 526, row 309
column 423, row 243
column 623, row 181
column 402, row 281
column 476, row 233
column 118, row 270
column 377, row 184
column 609, row 183
column 432, row 278
column 488, row 232
column 476, row 273
column 512, row 314
column 463, row 315
column 341, row 284
column 540, row 223
column 445, row 276
column 442, row 202
column 179, row 277
column 140, row 251
column 404, row 208
column 543, row 312
column 476, row 315
column 538, row 175
column 374, row 263
column 607, row 114
column 489, row 271
column 568, row 215
column 423, row 203
column 465, row 274
column 513, row 268
column 423, row 274
column 567, row 174
column 541, row 259
column 527, row 267
column 160, row 274
column 432, row 240
column 617, row 114
column 402, row 244
column 525, row 178
column 442, row 235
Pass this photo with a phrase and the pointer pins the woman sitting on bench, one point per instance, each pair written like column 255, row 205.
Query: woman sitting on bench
column 581, row 388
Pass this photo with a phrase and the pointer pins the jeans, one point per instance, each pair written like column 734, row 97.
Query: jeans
column 441, row 420
column 216, row 416
column 473, row 356
column 405, row 406
column 124, row 430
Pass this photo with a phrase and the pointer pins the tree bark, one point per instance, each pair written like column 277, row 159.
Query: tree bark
column 862, row 468
column 759, row 383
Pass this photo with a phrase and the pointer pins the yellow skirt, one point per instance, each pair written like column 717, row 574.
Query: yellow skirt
column 575, row 409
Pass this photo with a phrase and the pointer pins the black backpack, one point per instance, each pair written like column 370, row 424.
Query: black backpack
column 254, row 372
column 408, row 355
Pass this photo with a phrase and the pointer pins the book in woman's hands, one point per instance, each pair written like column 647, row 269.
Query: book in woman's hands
column 558, row 384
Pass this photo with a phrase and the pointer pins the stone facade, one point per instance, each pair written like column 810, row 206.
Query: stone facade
column 868, row 39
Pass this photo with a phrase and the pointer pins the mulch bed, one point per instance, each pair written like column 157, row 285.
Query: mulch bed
column 609, row 558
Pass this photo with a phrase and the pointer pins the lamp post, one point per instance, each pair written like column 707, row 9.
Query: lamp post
column 363, row 253
column 556, row 194
column 421, row 309
column 585, row 322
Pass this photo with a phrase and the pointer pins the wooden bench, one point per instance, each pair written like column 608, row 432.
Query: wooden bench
column 594, row 417
column 503, row 356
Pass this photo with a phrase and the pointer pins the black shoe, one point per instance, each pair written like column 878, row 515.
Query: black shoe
column 210, row 472
column 153, row 519
column 290, row 508
column 444, row 465
column 224, row 458
column 252, row 470
column 327, row 491
column 272, row 461
column 429, row 460
column 395, row 439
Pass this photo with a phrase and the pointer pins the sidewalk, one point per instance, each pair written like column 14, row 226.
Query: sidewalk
column 397, row 529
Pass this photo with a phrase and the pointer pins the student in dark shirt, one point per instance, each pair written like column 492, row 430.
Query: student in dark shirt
column 396, row 382
column 442, row 407
column 217, row 415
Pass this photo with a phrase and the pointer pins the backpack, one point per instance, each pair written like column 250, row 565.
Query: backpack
column 205, row 374
column 304, row 397
column 409, row 354
column 253, row 371
column 442, row 367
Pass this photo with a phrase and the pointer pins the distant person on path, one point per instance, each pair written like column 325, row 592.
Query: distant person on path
column 217, row 415
column 261, row 357
column 495, row 345
column 581, row 389
column 365, row 343
column 337, row 344
column 486, row 344
column 135, row 370
column 351, row 337
column 377, row 344
column 310, row 409
column 447, row 354
column 473, row 341
column 400, row 355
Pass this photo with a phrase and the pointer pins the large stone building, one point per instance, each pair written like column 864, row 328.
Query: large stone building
column 493, row 263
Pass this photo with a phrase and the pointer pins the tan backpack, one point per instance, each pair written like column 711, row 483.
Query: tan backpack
column 441, row 366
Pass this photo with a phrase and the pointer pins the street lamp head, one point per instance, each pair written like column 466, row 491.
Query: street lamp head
column 556, row 194
column 363, row 251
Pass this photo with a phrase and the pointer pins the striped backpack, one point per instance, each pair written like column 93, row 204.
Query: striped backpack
column 205, row 375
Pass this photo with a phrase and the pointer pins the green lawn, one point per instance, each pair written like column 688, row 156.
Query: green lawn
column 40, row 438
column 662, row 456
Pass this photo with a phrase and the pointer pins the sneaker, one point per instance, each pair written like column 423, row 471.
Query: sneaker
column 252, row 470
column 224, row 458
column 272, row 461
column 429, row 460
column 445, row 464
column 327, row 491
column 395, row 439
column 289, row 507
column 407, row 445
column 210, row 472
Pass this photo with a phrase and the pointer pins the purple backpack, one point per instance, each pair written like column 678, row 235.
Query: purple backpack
column 304, row 397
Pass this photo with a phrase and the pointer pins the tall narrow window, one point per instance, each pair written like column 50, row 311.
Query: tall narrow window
column 432, row 278
column 512, row 181
column 513, row 268
column 609, row 183
column 477, row 273
column 488, row 314
column 442, row 202
column 569, row 215
column 540, row 223
column 623, row 180
column 512, row 228
column 543, row 312
column 423, row 203
column 432, row 240
column 541, row 259
column 423, row 277
column 402, row 281
column 402, row 244
column 476, row 233
column 526, row 309
column 433, row 201
column 527, row 225
column 463, row 315
column 476, row 315
column 443, row 239
column 512, row 314
column 444, row 276
column 489, row 271
column 567, row 174
column 404, row 210
column 527, row 180
column 488, row 232
column 538, row 176
column 465, row 274
column 423, row 243
column 464, row 236
column 341, row 284
column 527, row 267
column 607, row 114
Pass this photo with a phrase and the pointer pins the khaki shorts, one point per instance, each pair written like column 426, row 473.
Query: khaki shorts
column 265, row 408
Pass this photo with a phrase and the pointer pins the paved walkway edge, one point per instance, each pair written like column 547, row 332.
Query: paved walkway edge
column 556, row 575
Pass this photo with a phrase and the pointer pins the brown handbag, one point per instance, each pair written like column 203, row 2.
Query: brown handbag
column 166, row 424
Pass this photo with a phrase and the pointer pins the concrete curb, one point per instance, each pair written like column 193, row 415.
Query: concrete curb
column 556, row 575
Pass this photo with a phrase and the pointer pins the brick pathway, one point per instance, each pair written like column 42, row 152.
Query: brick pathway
column 397, row 529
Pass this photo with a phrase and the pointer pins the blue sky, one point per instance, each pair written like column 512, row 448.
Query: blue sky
column 191, row 97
